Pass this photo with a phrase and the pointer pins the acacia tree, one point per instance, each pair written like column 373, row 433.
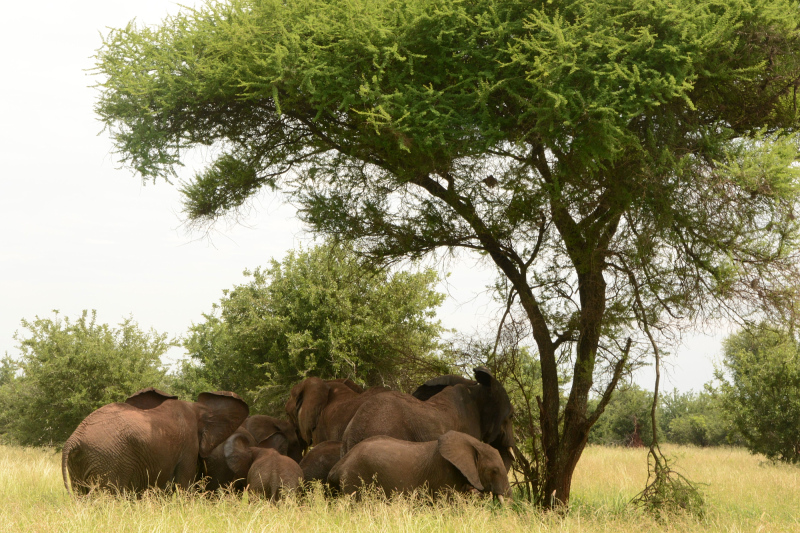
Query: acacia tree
column 626, row 165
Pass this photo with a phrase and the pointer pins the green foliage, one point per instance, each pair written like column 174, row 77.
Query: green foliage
column 696, row 418
column 321, row 312
column 629, row 406
column 68, row 369
column 692, row 418
column 760, row 389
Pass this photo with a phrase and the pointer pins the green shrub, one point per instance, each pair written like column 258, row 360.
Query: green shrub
column 760, row 388
column 320, row 312
column 68, row 369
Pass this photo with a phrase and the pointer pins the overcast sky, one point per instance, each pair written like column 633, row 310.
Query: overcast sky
column 79, row 232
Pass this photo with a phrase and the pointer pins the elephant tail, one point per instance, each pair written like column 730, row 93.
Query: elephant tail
column 68, row 446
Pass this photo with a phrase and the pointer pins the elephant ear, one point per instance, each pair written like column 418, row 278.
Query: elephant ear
column 220, row 413
column 149, row 398
column 436, row 385
column 238, row 454
column 495, row 409
column 457, row 448
column 311, row 400
column 277, row 441
column 483, row 375
column 261, row 426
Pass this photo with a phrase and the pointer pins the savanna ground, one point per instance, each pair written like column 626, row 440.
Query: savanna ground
column 743, row 493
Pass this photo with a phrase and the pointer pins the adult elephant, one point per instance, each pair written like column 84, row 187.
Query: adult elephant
column 454, row 461
column 321, row 409
column 150, row 440
column 481, row 410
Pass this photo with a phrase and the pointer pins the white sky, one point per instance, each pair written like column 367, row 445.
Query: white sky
column 78, row 232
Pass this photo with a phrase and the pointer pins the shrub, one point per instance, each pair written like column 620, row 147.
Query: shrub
column 68, row 369
column 760, row 388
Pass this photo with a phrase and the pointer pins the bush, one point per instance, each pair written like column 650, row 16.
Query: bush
column 760, row 389
column 629, row 406
column 69, row 369
column 320, row 312
column 696, row 418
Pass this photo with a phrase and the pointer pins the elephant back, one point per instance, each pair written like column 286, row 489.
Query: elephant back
column 149, row 398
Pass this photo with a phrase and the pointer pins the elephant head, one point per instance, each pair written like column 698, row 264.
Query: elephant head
column 240, row 450
column 496, row 411
column 479, row 463
column 320, row 409
column 307, row 399
column 263, row 426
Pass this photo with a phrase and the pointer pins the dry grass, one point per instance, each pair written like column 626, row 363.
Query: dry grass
column 743, row 494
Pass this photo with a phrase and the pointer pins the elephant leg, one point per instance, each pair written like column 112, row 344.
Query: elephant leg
column 185, row 472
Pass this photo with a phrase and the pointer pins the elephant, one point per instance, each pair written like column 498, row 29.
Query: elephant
column 482, row 410
column 262, row 426
column 454, row 461
column 268, row 472
column 318, row 461
column 320, row 409
column 150, row 440
column 216, row 469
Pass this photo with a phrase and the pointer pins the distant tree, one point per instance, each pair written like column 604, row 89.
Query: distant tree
column 760, row 388
column 319, row 312
column 696, row 418
column 627, row 166
column 627, row 417
column 68, row 369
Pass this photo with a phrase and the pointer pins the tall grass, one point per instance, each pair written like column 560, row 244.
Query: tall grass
column 744, row 493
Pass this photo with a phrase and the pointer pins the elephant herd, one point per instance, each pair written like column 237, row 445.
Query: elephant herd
column 451, row 433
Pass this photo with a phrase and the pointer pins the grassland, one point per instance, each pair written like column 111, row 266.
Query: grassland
column 743, row 493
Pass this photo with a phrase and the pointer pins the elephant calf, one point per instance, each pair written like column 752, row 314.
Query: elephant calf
column 268, row 472
column 319, row 460
column 456, row 461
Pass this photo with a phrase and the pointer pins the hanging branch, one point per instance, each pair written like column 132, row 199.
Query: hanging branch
column 666, row 489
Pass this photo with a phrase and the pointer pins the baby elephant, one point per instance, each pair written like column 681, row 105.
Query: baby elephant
column 456, row 461
column 319, row 460
column 268, row 472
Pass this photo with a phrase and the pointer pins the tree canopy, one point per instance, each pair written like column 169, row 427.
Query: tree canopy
column 318, row 312
column 627, row 166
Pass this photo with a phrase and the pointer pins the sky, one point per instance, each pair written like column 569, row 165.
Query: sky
column 78, row 231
